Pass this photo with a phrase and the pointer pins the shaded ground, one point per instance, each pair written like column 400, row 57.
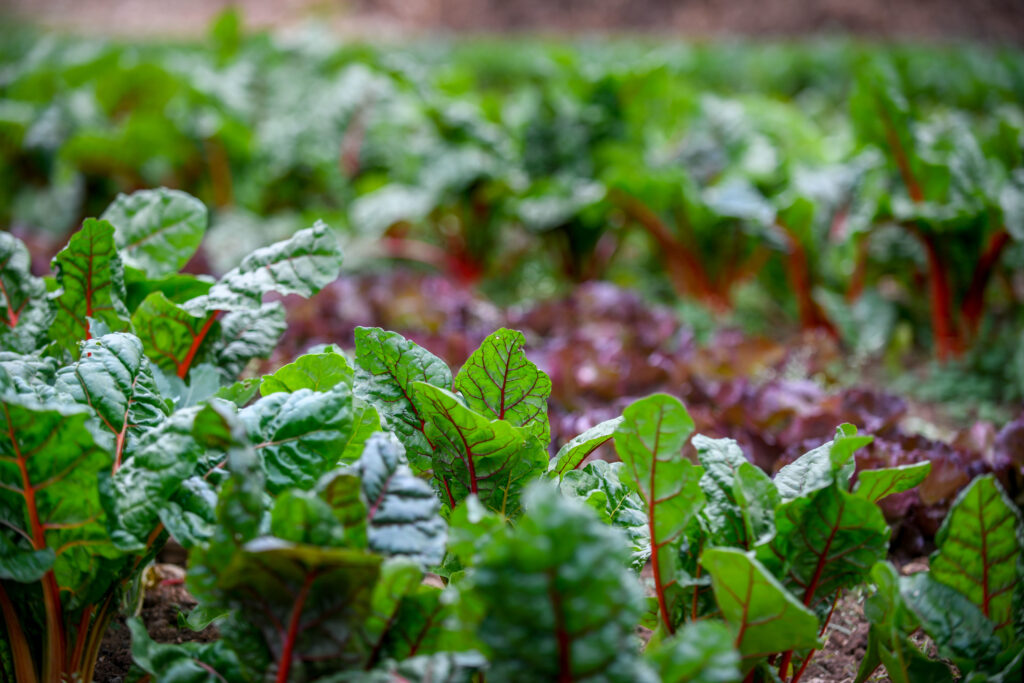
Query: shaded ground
column 994, row 20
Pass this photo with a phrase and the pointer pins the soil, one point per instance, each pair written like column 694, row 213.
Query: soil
column 985, row 20
column 165, row 598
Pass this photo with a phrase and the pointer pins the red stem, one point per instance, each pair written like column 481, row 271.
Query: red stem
column 799, row 272
column 810, row 655
column 943, row 329
column 284, row 667
column 561, row 632
column 860, row 271
column 186, row 364
column 659, row 586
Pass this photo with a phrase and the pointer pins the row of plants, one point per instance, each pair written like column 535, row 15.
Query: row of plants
column 842, row 186
column 377, row 517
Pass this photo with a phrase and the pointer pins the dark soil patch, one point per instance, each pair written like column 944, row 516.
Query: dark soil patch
column 165, row 598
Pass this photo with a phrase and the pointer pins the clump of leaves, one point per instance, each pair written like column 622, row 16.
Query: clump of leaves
column 100, row 367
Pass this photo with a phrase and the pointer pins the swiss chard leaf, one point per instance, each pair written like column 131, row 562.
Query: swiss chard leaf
column 876, row 484
column 600, row 486
column 112, row 376
column 403, row 512
column 741, row 498
column 701, row 652
column 827, row 541
column 388, row 364
column 301, row 265
column 25, row 310
column 650, row 442
column 91, row 279
column 979, row 551
column 316, row 371
column 819, row 468
column 300, row 435
column 577, row 449
column 766, row 618
column 499, row 380
column 558, row 603
column 157, row 231
column 174, row 339
column 472, row 454
column 247, row 334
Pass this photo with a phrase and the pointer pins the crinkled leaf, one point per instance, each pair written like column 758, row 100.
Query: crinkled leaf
column 365, row 422
column 305, row 603
column 499, row 380
column 700, row 652
column 299, row 436
column 25, row 310
column 241, row 392
column 174, row 339
column 578, row 448
column 817, row 469
column 49, row 468
column 959, row 629
column 874, row 485
column 247, row 334
column 185, row 663
column 473, row 454
column 316, row 371
column 741, row 498
column 558, row 602
column 765, row 616
column 162, row 459
column 979, row 551
column 112, row 376
column 403, row 512
column 157, row 231
column 91, row 280
column 302, row 265
column 600, row 486
column 388, row 364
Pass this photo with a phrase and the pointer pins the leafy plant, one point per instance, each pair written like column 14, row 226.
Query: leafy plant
column 98, row 440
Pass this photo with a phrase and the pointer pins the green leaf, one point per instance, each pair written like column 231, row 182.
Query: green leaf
column 874, row 485
column 301, row 265
column 960, row 631
column 577, row 449
column 157, row 231
column 21, row 563
column 600, row 486
column 247, row 334
column 316, row 371
column 366, row 422
column 827, row 541
column 158, row 464
column 174, row 339
column 388, row 364
column 741, row 498
column 558, row 603
column 489, row 458
column 49, row 468
column 300, row 435
column 91, row 280
column 765, row 616
column 701, row 652
column 819, row 468
column 241, row 392
column 650, row 442
column 398, row 578
column 403, row 512
column 978, row 551
column 303, row 604
column 185, row 663
column 307, row 518
column 25, row 310
column 112, row 377
column 499, row 380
